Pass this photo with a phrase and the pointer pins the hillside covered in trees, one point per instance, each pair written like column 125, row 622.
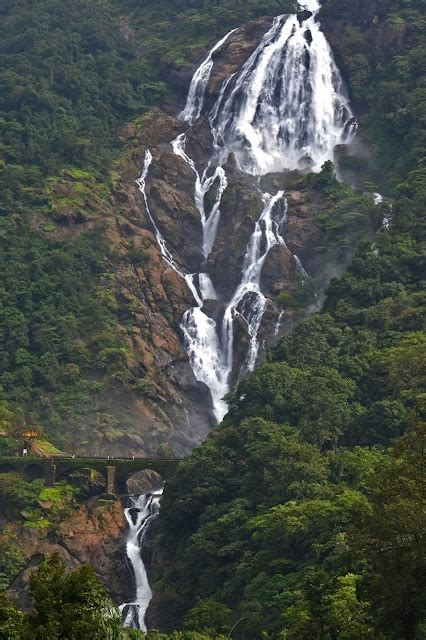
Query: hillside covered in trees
column 71, row 77
column 302, row 516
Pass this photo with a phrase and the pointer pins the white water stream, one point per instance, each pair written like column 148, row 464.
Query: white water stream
column 140, row 513
column 287, row 108
column 284, row 109
column 195, row 101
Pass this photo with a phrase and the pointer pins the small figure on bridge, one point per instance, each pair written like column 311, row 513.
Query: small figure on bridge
column 24, row 452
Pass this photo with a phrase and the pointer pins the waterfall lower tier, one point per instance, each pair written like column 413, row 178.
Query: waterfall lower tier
column 140, row 513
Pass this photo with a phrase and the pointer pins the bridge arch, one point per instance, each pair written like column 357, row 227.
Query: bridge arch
column 165, row 469
column 33, row 471
column 115, row 471
column 7, row 467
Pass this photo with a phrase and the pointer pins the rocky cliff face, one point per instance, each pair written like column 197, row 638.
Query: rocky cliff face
column 168, row 410
column 92, row 534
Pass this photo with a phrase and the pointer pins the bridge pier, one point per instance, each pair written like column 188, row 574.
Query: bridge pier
column 111, row 479
column 49, row 473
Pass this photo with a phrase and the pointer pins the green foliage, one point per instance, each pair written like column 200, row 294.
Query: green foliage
column 303, row 511
column 351, row 216
column 69, row 78
column 54, row 325
column 183, row 635
column 301, row 517
column 11, row 620
column 11, row 562
column 392, row 537
column 74, row 606
column 71, row 75
column 71, row 605
column 173, row 30
column 379, row 46
column 16, row 493
column 209, row 617
column 40, row 507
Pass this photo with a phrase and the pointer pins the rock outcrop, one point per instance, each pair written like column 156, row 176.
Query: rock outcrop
column 92, row 534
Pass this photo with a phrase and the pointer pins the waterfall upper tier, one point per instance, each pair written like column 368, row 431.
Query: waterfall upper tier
column 286, row 108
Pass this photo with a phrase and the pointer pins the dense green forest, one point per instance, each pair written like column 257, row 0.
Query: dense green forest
column 302, row 517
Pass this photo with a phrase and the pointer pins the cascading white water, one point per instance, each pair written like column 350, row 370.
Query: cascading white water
column 210, row 350
column 168, row 257
column 278, row 324
column 299, row 267
column 387, row 219
column 205, row 353
column 141, row 182
column 140, row 513
column 203, row 184
column 287, row 108
column 199, row 83
column 284, row 109
column 248, row 300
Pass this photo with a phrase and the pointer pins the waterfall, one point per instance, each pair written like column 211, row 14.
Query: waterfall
column 278, row 324
column 284, row 109
column 387, row 219
column 168, row 257
column 287, row 108
column 141, row 182
column 140, row 513
column 299, row 267
column 199, row 83
column 205, row 353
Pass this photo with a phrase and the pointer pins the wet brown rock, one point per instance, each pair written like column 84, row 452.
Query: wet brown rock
column 278, row 270
column 93, row 534
column 237, row 50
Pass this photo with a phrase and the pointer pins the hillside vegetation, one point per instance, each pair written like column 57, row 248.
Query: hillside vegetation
column 302, row 517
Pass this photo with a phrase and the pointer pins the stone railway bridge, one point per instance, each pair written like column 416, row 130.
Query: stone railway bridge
column 115, row 471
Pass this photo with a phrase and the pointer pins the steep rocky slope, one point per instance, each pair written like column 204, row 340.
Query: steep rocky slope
column 92, row 534
column 166, row 409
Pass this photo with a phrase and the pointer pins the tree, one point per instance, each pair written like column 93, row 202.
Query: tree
column 209, row 617
column 392, row 538
column 11, row 620
column 72, row 606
